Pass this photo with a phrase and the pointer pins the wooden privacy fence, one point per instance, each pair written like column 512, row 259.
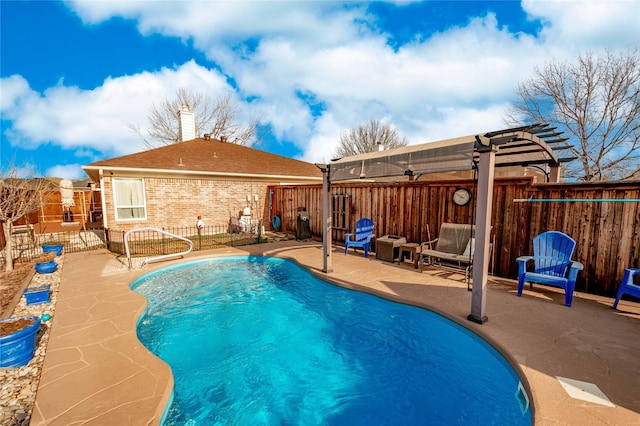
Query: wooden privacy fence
column 51, row 210
column 607, row 229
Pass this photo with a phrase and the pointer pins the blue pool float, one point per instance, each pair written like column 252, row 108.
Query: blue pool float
column 276, row 222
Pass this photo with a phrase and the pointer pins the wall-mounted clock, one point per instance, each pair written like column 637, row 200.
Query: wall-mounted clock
column 462, row 196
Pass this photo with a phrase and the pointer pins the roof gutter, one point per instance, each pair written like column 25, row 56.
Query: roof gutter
column 200, row 173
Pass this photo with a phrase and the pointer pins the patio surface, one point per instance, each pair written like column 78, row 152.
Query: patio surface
column 97, row 372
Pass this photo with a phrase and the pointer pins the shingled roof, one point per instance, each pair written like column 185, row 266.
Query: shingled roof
column 209, row 157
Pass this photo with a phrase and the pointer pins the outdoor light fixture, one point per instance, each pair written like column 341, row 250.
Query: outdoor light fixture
column 323, row 167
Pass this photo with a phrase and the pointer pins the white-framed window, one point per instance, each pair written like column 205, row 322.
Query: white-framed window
column 129, row 199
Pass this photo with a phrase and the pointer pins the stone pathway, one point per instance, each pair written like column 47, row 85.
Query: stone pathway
column 18, row 385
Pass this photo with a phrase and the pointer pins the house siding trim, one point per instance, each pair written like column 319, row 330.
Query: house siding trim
column 165, row 172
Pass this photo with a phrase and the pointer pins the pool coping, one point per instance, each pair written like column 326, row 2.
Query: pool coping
column 96, row 371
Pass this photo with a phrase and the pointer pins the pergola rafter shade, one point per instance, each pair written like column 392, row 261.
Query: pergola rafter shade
column 452, row 154
column 516, row 147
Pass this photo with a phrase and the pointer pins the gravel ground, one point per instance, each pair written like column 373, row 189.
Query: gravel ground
column 18, row 385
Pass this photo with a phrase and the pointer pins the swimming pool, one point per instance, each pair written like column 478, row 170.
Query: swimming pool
column 259, row 340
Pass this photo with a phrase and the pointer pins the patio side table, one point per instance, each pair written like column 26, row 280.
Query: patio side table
column 388, row 247
column 413, row 250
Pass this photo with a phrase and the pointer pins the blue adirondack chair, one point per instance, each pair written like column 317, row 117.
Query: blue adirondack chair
column 553, row 266
column 627, row 286
column 362, row 237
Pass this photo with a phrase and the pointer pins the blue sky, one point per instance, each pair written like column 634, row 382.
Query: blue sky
column 76, row 74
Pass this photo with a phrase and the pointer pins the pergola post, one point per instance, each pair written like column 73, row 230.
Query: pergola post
column 326, row 219
column 482, row 253
column 554, row 173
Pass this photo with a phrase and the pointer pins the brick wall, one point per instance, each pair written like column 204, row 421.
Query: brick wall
column 179, row 201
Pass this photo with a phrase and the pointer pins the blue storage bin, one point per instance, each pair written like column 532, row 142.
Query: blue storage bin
column 37, row 295
column 46, row 267
column 52, row 248
column 17, row 349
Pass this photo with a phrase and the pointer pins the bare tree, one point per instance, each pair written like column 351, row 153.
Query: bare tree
column 596, row 103
column 219, row 118
column 368, row 138
column 18, row 197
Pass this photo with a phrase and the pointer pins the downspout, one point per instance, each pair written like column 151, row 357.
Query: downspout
column 103, row 200
column 41, row 219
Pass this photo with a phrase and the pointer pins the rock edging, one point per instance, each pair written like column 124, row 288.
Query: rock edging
column 18, row 386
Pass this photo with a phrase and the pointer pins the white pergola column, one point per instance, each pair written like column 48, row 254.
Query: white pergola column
column 482, row 254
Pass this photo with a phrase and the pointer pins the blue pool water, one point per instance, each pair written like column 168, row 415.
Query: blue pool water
column 261, row 341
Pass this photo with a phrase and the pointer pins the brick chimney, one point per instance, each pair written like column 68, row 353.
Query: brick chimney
column 187, row 124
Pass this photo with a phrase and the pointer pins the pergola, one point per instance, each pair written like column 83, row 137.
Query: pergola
column 533, row 146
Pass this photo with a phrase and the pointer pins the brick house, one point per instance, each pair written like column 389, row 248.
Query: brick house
column 202, row 177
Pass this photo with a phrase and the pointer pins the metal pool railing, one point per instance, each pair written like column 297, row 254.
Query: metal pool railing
column 149, row 243
column 159, row 257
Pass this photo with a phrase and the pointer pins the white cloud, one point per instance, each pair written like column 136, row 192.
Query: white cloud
column 588, row 24
column 453, row 83
column 422, row 86
column 23, row 171
column 97, row 119
column 211, row 23
column 13, row 89
column 67, row 171
column 97, row 12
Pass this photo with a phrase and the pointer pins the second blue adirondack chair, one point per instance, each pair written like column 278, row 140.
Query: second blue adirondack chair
column 627, row 286
column 553, row 266
column 362, row 237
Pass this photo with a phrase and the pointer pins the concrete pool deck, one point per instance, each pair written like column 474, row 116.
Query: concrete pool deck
column 97, row 372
